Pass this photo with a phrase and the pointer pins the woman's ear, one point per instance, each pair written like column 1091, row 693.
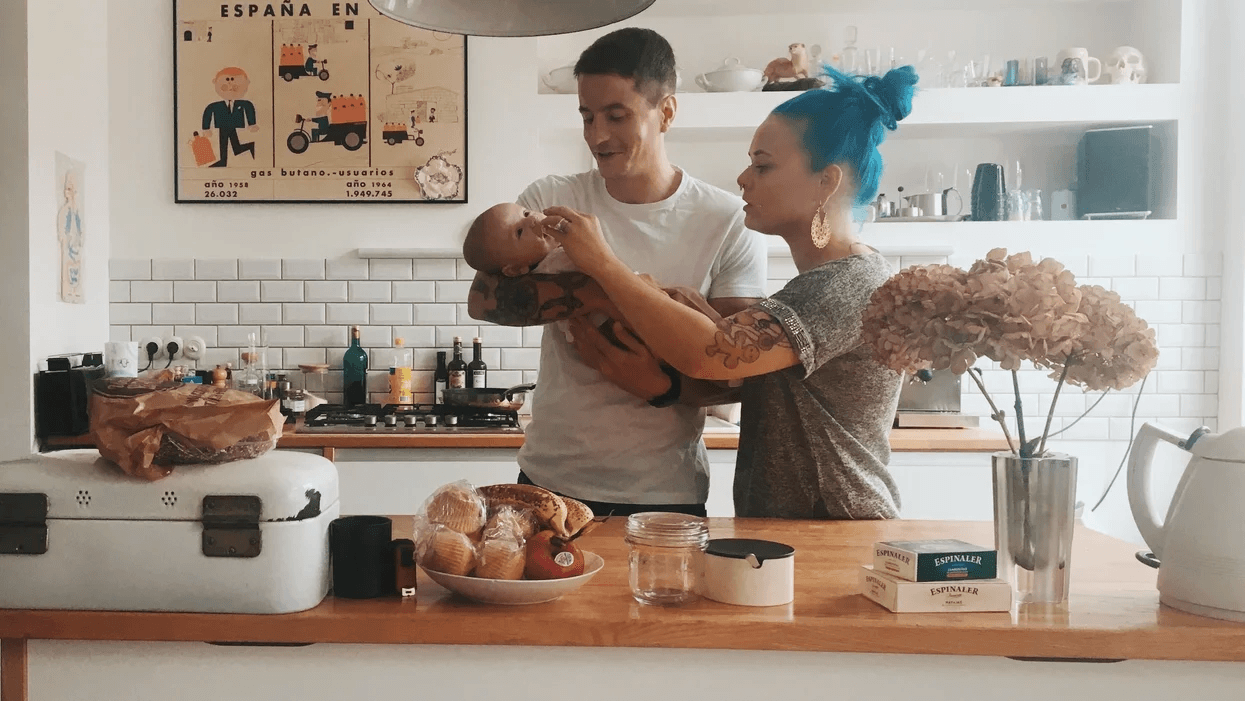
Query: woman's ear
column 669, row 106
column 832, row 180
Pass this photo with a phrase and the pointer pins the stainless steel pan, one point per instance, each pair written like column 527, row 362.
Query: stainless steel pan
column 489, row 397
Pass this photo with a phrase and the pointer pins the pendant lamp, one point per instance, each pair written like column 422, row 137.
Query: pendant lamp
column 509, row 18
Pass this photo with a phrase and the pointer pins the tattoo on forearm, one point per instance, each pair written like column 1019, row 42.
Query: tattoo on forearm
column 743, row 337
column 519, row 299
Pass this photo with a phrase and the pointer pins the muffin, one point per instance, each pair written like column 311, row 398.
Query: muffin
column 501, row 558
column 450, row 552
column 458, row 509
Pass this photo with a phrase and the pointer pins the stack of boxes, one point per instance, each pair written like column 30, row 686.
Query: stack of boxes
column 935, row 576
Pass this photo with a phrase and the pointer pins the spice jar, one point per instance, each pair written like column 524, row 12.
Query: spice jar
column 666, row 556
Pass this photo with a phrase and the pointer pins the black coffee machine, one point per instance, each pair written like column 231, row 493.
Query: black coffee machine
column 61, row 394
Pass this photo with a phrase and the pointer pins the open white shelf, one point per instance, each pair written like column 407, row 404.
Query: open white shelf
column 701, row 8
column 935, row 112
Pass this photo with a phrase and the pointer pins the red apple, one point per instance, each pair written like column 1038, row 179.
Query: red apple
column 551, row 557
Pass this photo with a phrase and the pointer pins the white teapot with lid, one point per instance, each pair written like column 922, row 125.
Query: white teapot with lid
column 1199, row 548
column 731, row 77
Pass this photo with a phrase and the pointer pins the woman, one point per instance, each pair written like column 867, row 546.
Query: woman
column 817, row 409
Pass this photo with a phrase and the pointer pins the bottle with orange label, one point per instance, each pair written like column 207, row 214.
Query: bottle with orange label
column 401, row 386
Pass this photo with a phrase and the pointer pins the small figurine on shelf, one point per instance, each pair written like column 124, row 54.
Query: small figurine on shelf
column 791, row 72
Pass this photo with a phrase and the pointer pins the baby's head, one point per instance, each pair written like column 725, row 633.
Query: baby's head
column 507, row 239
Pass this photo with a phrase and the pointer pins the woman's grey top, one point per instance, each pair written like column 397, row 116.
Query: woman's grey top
column 814, row 438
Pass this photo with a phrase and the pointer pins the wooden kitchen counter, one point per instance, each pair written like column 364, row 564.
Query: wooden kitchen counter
column 967, row 440
column 1113, row 611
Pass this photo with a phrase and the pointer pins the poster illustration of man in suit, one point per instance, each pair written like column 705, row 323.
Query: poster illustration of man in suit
column 230, row 114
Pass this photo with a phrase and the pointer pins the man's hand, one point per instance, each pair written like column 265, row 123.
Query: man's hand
column 635, row 369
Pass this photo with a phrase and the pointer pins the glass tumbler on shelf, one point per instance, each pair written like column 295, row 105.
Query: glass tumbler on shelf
column 666, row 557
column 1033, row 205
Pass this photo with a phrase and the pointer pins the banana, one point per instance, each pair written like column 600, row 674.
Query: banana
column 548, row 508
column 578, row 515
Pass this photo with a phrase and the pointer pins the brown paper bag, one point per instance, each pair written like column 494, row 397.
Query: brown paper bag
column 147, row 425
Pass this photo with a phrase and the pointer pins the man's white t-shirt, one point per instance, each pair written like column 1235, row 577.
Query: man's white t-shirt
column 589, row 438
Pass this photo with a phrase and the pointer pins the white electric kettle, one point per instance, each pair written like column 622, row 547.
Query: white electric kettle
column 1200, row 546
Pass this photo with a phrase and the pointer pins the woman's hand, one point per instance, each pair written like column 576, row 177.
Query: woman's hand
column 581, row 238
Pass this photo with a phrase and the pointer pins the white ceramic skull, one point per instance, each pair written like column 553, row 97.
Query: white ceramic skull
column 1125, row 65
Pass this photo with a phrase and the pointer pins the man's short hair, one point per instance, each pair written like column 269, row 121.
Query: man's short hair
column 229, row 70
column 640, row 54
column 324, row 95
column 312, row 46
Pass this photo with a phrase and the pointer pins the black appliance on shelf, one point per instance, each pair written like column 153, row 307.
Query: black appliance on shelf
column 61, row 394
column 403, row 419
column 1118, row 173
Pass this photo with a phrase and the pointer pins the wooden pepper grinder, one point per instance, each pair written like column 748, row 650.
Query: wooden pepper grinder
column 404, row 566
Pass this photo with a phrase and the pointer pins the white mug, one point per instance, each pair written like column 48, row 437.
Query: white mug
column 121, row 359
column 1087, row 74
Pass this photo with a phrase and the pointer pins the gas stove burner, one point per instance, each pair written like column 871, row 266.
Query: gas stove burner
column 402, row 419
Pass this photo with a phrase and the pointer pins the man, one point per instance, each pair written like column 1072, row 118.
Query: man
column 230, row 114
column 309, row 66
column 606, row 426
column 323, row 100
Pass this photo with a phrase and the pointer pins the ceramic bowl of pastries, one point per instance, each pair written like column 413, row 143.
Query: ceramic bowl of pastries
column 505, row 543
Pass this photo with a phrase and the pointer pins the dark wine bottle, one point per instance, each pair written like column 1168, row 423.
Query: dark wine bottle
column 477, row 371
column 441, row 378
column 458, row 366
column 354, row 371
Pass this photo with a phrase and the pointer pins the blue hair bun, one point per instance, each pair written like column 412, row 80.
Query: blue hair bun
column 893, row 94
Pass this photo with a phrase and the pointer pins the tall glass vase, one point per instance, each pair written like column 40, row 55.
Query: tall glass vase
column 1034, row 512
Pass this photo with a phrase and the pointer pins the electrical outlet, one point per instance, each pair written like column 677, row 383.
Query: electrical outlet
column 194, row 348
column 178, row 347
column 161, row 354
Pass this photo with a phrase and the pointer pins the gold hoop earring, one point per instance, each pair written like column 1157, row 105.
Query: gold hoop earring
column 821, row 229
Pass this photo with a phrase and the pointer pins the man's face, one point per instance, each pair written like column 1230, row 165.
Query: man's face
column 322, row 106
column 232, row 87
column 312, row 51
column 621, row 127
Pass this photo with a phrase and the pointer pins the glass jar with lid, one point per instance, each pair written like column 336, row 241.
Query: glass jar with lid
column 666, row 556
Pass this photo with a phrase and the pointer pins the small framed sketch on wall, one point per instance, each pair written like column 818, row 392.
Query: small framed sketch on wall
column 316, row 101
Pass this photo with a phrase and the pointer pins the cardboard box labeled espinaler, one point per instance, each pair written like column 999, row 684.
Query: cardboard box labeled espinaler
column 902, row 596
column 934, row 560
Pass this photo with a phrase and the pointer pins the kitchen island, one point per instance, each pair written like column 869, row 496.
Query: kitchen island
column 600, row 641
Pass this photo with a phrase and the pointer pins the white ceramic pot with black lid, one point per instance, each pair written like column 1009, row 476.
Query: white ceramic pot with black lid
column 749, row 572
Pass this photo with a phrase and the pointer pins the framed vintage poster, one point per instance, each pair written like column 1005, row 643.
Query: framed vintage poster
column 316, row 101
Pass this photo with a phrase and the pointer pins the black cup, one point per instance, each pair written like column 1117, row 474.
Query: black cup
column 989, row 192
column 362, row 557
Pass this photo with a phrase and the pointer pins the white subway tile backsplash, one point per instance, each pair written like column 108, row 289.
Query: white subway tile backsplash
column 296, row 313
column 237, row 291
column 1136, row 288
column 446, row 334
column 207, row 333
column 433, row 314
column 373, row 291
column 1199, row 358
column 1182, row 288
column 1180, row 335
column 1160, row 266
column 465, row 272
column 499, row 336
column 118, row 291
column 303, row 269
column 1159, row 311
column 504, row 378
column 454, row 292
column 154, row 291
column 415, row 291
column 1169, row 360
column 1212, row 336
column 333, row 356
column 389, row 269
column 327, row 291
column 392, row 314
column 346, row 313
column 1203, row 264
column 377, row 337
column 281, row 290
column 1214, row 287
column 219, row 356
column 416, row 336
column 1199, row 405
column 129, row 269
column 138, row 333
column 530, row 376
column 172, row 269
column 1212, row 380
column 491, row 356
column 1089, row 428
column 218, row 269
column 216, row 313
column 532, row 336
column 1196, row 312
column 305, row 356
column 194, row 291
column 259, row 313
column 435, row 269
column 259, row 269
column 346, row 269
column 464, row 312
column 283, row 336
column 331, row 337
column 238, row 336
column 519, row 358
column 1112, row 266
column 1181, row 382
column 118, row 333
column 173, row 314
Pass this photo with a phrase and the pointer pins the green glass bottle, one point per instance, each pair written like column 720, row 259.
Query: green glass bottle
column 354, row 371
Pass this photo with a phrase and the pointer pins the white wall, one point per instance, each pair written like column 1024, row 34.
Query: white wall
column 15, row 383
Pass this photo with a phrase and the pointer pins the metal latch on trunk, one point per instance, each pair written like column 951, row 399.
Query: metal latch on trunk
column 231, row 525
column 23, row 524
